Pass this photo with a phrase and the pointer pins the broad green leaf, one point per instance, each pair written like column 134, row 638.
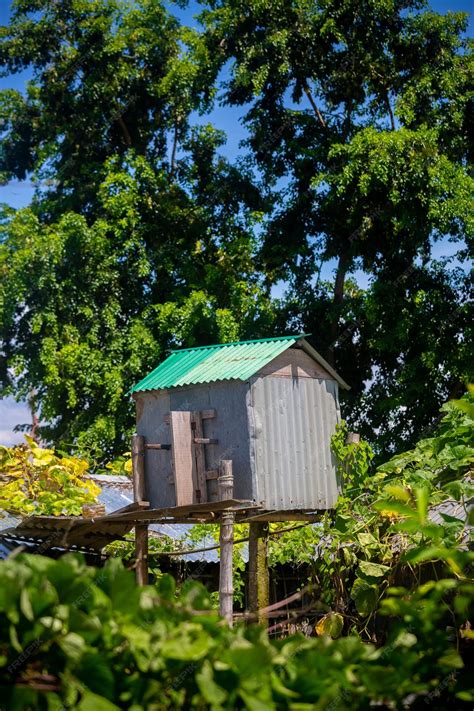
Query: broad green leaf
column 330, row 624
column 25, row 604
column 167, row 587
column 398, row 492
column 94, row 702
column 95, row 673
column 365, row 597
column 211, row 692
column 394, row 507
column 422, row 498
column 373, row 570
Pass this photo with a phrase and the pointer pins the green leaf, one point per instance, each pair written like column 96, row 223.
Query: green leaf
column 94, row 702
column 373, row 570
column 331, row 624
column 398, row 492
column 451, row 659
column 167, row 587
column 394, row 507
column 25, row 604
column 422, row 497
column 255, row 704
column 211, row 692
column 191, row 643
column 365, row 597
column 367, row 540
column 73, row 646
column 95, row 673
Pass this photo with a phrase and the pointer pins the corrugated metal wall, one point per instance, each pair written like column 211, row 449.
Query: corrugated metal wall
column 276, row 430
column 291, row 423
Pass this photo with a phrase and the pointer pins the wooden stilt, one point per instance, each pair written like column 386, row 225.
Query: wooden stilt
column 141, row 530
column 138, row 467
column 259, row 594
column 225, row 484
column 141, row 553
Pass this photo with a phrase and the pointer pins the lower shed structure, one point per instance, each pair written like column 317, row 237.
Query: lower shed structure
column 270, row 406
column 251, row 420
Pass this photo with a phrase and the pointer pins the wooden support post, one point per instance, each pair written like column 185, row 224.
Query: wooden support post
column 225, row 484
column 258, row 569
column 141, row 553
column 141, row 530
column 225, row 481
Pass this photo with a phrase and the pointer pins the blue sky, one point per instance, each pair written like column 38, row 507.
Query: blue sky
column 18, row 194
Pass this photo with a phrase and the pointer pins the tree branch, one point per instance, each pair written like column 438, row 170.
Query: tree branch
column 338, row 298
column 173, row 150
column 390, row 112
column 313, row 104
column 126, row 134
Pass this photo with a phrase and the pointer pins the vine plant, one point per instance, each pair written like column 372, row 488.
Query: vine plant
column 388, row 527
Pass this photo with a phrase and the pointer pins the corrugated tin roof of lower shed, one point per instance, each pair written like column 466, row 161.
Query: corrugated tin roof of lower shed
column 224, row 361
column 116, row 492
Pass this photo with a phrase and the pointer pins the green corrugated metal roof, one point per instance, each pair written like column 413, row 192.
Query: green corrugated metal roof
column 225, row 361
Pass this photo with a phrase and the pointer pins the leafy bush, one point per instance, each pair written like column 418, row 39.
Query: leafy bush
column 77, row 637
column 381, row 532
column 36, row 480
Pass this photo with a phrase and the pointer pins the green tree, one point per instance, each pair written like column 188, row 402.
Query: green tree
column 362, row 110
column 141, row 236
column 144, row 238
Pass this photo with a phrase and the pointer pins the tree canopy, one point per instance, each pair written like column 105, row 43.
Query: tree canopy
column 141, row 235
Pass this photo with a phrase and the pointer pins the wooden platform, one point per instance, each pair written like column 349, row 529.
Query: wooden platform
column 95, row 533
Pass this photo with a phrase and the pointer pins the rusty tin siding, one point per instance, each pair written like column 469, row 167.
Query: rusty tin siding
column 291, row 421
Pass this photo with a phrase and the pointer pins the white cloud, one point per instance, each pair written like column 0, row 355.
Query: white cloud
column 12, row 413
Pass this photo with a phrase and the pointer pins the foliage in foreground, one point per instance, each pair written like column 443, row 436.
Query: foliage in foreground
column 399, row 525
column 77, row 637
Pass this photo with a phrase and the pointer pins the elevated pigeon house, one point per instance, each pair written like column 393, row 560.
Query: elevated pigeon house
column 269, row 405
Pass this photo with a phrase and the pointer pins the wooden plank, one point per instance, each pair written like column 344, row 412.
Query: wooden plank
column 45, row 526
column 295, row 363
column 138, row 467
column 276, row 516
column 182, row 457
column 135, row 506
column 212, row 474
column 199, row 456
column 158, row 446
column 184, row 511
column 205, row 415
